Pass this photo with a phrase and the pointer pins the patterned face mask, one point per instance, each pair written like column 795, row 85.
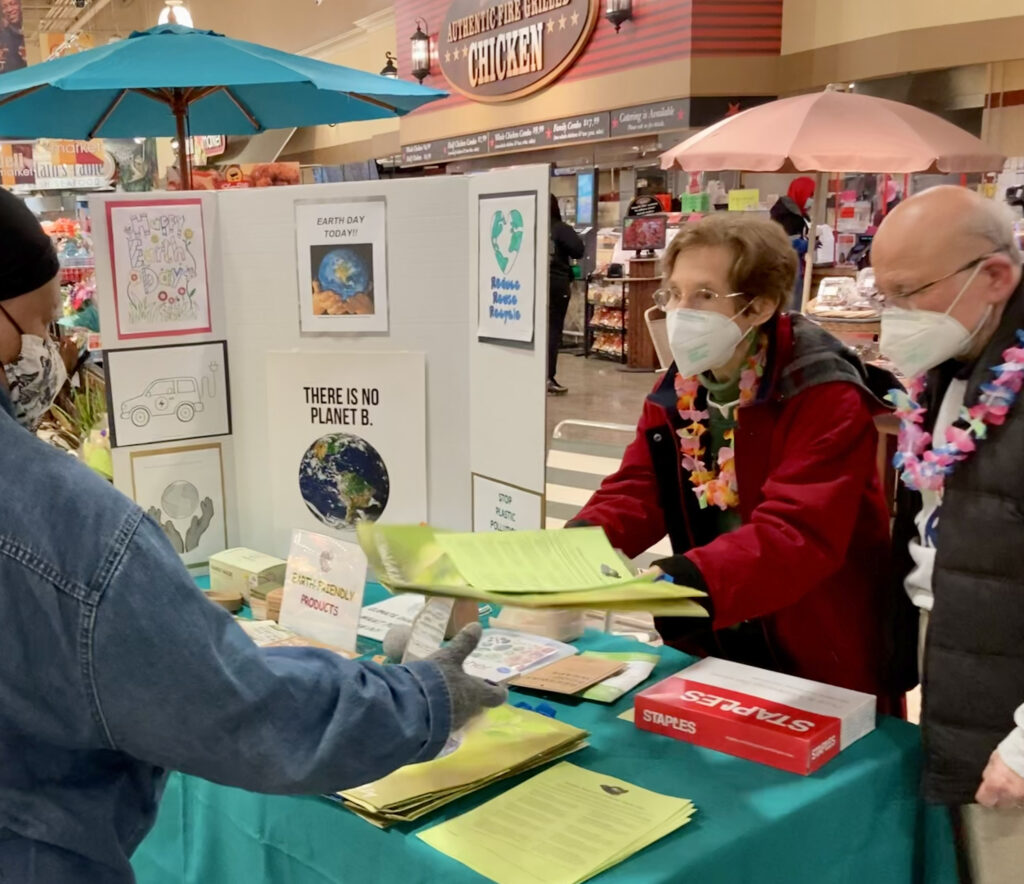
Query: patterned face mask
column 35, row 377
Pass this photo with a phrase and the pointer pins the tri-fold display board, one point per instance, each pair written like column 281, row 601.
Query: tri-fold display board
column 307, row 357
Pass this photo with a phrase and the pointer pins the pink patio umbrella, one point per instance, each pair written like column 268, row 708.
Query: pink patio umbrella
column 834, row 131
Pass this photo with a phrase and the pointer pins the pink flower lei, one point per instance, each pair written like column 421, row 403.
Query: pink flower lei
column 719, row 488
column 925, row 469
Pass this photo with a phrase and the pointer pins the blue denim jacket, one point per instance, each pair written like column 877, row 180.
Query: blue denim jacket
column 114, row 668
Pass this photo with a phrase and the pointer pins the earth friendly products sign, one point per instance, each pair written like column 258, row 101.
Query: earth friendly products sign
column 508, row 266
column 499, row 50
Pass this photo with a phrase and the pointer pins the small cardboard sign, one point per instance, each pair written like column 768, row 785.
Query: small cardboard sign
column 744, row 200
column 569, row 676
column 323, row 589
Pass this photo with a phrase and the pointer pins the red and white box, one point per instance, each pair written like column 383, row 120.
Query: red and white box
column 780, row 720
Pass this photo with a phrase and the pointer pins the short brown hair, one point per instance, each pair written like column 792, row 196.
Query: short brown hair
column 764, row 260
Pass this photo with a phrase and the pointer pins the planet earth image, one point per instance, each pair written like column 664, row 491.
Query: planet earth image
column 180, row 499
column 347, row 272
column 506, row 237
column 343, row 480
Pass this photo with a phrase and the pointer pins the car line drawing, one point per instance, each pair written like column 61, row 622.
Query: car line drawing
column 179, row 397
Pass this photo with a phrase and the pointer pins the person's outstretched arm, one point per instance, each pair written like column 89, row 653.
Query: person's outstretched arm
column 177, row 683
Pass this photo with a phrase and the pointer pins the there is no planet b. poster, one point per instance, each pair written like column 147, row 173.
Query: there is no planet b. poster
column 347, row 439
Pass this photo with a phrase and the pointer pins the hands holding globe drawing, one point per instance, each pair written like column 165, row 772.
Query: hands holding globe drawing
column 196, row 529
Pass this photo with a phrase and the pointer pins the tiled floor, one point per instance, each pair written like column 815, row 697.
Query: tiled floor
column 598, row 391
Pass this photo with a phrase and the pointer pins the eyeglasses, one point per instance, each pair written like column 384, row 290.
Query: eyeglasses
column 892, row 300
column 670, row 296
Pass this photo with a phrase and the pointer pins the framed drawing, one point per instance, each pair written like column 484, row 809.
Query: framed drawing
column 343, row 268
column 164, row 394
column 183, row 490
column 159, row 265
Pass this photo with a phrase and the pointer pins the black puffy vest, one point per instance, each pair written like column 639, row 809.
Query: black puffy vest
column 974, row 661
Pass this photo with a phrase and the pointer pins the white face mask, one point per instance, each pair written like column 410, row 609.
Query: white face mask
column 35, row 377
column 918, row 340
column 701, row 340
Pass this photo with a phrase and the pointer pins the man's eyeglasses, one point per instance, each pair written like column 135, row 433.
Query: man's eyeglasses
column 900, row 300
column 670, row 297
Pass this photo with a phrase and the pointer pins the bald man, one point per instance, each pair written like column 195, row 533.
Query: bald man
column 949, row 269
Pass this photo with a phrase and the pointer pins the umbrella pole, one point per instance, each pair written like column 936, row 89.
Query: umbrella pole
column 180, row 108
column 817, row 217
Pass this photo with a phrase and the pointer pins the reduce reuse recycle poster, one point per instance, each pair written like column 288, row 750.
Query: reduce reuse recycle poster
column 508, row 266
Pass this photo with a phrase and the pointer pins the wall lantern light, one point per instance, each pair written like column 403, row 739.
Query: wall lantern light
column 619, row 11
column 419, row 44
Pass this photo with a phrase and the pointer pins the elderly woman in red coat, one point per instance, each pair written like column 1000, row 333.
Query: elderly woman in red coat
column 756, row 455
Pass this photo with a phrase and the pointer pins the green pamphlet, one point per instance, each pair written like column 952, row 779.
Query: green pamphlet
column 562, row 826
column 502, row 742
column 531, row 569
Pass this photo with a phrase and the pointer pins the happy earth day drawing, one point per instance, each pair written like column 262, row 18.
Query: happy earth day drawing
column 159, row 263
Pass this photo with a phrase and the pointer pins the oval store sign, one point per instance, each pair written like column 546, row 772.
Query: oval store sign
column 498, row 50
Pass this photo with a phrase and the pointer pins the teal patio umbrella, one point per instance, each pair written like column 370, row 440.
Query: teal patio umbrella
column 177, row 81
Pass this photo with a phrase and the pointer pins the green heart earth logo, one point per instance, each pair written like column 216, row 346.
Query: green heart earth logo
column 506, row 238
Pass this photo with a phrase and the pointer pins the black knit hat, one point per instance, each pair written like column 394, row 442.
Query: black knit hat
column 28, row 260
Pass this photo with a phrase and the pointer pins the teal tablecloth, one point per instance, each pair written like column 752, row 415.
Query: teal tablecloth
column 859, row 819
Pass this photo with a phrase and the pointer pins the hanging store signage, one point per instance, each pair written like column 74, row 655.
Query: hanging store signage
column 499, row 50
column 570, row 130
column 650, row 118
column 53, row 164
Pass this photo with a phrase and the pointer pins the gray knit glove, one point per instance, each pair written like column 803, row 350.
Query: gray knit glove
column 469, row 695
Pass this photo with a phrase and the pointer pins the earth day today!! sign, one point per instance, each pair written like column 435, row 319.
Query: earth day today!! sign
column 508, row 266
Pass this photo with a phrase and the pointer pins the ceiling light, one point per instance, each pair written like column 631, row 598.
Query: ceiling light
column 175, row 13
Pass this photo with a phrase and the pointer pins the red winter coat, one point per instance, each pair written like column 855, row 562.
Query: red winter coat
column 807, row 573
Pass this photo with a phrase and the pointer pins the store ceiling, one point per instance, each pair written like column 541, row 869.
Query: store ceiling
column 105, row 19
column 306, row 24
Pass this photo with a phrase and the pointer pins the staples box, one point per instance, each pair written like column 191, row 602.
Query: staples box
column 251, row 573
column 780, row 720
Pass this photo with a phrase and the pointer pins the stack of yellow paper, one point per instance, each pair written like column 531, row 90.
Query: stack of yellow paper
column 562, row 826
column 504, row 742
column 530, row 569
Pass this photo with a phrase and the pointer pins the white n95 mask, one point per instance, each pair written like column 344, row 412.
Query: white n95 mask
column 701, row 340
column 916, row 341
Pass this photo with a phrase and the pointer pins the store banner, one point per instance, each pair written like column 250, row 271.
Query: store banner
column 508, row 266
column 54, row 164
column 323, row 589
column 12, row 36
column 646, row 118
column 502, row 51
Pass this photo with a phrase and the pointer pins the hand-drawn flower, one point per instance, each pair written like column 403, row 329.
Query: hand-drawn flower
column 188, row 234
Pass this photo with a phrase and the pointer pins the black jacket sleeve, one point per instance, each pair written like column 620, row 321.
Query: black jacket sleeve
column 568, row 240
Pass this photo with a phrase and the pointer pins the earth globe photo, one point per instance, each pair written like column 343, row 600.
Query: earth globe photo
column 343, row 480
column 346, row 272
